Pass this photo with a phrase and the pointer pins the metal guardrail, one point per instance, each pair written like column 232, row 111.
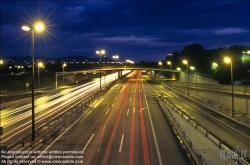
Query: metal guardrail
column 237, row 88
column 161, row 100
column 188, row 144
column 52, row 127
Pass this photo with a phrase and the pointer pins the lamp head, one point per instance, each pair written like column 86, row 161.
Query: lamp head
column 39, row 27
column 26, row 28
column 185, row 62
column 227, row 60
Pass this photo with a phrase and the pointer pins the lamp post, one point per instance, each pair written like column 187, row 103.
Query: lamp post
column 63, row 66
column 115, row 57
column 193, row 68
column 186, row 62
column 100, row 52
column 36, row 28
column 228, row 60
column 160, row 63
column 170, row 64
column 40, row 64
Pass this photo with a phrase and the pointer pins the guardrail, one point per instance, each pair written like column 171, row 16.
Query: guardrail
column 219, row 142
column 237, row 88
column 51, row 128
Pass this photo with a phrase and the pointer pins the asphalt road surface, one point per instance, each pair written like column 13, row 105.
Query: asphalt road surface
column 234, row 134
column 126, row 128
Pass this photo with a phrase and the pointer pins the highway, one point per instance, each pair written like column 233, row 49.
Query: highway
column 232, row 133
column 16, row 120
column 124, row 127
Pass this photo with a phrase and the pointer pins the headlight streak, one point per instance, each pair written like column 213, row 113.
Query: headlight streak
column 77, row 92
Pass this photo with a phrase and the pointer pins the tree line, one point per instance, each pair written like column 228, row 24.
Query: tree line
column 202, row 59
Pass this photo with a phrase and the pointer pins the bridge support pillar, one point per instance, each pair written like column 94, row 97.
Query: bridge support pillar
column 119, row 74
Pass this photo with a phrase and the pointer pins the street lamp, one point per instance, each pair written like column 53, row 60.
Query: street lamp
column 1, row 62
column 100, row 52
column 115, row 57
column 160, row 63
column 63, row 66
column 228, row 60
column 40, row 65
column 186, row 62
column 170, row 64
column 38, row 27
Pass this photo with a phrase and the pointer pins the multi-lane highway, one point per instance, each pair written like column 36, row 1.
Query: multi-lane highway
column 16, row 120
column 232, row 133
column 124, row 126
column 127, row 127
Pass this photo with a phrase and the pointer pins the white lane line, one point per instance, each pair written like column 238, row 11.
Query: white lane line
column 141, row 109
column 88, row 142
column 133, row 110
column 130, row 98
column 47, row 148
column 120, row 149
column 107, row 111
column 115, row 98
column 127, row 111
column 153, row 130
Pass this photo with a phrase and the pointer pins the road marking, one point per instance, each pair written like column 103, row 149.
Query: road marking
column 127, row 111
column 153, row 130
column 130, row 98
column 88, row 142
column 120, row 149
column 133, row 110
column 141, row 109
column 115, row 98
column 47, row 148
column 107, row 111
column 112, row 105
column 132, row 91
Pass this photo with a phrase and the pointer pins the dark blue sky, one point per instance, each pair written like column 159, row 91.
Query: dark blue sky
column 136, row 30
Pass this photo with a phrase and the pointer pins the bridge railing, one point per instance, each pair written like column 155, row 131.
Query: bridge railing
column 237, row 88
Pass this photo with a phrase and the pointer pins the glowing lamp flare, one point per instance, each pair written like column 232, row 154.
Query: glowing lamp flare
column 227, row 60
column 40, row 64
column 100, row 52
column 26, row 28
column 39, row 27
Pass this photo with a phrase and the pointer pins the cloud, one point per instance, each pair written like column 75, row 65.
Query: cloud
column 226, row 31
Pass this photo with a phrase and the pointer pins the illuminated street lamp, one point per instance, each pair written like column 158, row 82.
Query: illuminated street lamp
column 170, row 64
column 1, row 62
column 115, row 57
column 178, row 68
column 100, row 52
column 38, row 27
column 228, row 60
column 186, row 62
column 160, row 63
column 40, row 65
column 63, row 66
